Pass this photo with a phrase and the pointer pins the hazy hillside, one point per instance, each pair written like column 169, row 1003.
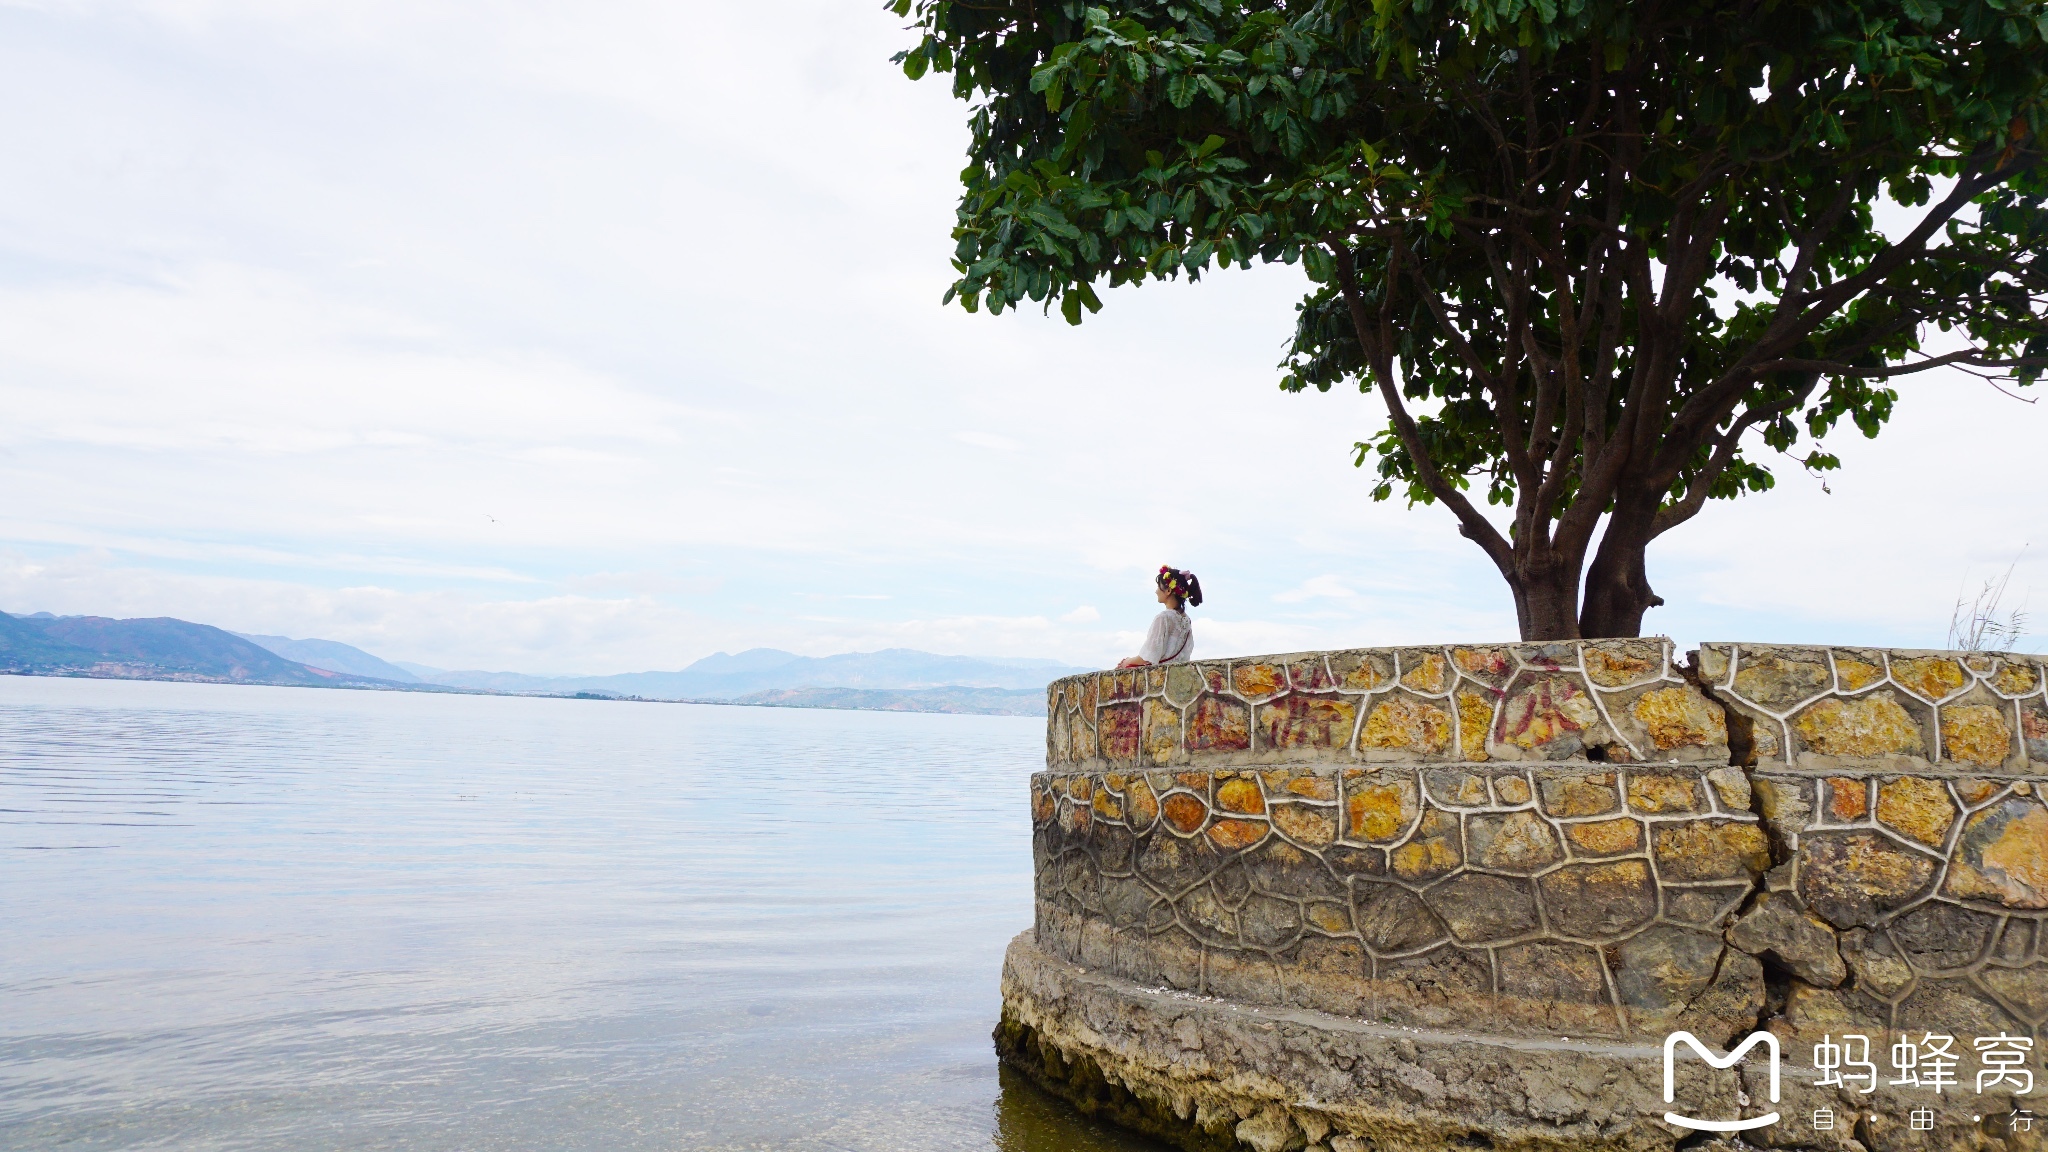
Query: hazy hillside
column 975, row 701
column 333, row 656
column 894, row 679
column 160, row 647
column 24, row 647
column 726, row 676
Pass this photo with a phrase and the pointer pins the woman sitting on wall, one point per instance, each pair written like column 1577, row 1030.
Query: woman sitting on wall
column 1172, row 638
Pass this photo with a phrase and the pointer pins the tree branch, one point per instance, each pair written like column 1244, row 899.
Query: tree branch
column 1474, row 526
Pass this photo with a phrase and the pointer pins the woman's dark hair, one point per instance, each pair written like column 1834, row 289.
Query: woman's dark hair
column 1181, row 584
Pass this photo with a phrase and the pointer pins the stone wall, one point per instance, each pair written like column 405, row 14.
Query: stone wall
column 1563, row 843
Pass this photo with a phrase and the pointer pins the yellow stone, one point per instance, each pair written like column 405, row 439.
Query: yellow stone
column 1313, row 785
column 2016, row 679
column 1511, row 789
column 1848, row 799
column 1873, row 726
column 1433, row 852
column 1401, row 722
column 1430, row 676
column 1162, row 730
column 1931, row 676
column 1185, row 812
column 1976, row 733
column 1239, row 794
column 1080, row 741
column 1856, row 675
column 1380, row 811
column 1976, row 789
column 1108, row 806
column 1475, row 720
column 1606, row 837
column 1042, row 805
column 1776, row 682
column 1334, row 919
column 1713, row 664
column 1580, row 795
column 2022, row 853
column 1360, row 672
column 1305, row 823
column 2003, row 856
column 1142, row 805
column 1516, row 842
column 1458, row 789
column 1732, row 786
column 1656, row 792
column 1710, row 850
column 1614, row 667
column 1257, row 679
column 1763, row 740
column 1679, row 716
column 1550, row 708
column 1236, row 833
column 1488, row 664
column 1917, row 807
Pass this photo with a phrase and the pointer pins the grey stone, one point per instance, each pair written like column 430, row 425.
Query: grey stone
column 1852, row 878
column 1482, row 909
column 1880, row 970
column 1392, row 919
column 1705, row 907
column 1599, row 901
column 1271, row 1130
column 1519, row 842
column 1938, row 937
column 1269, row 923
column 1798, row 939
column 1566, row 973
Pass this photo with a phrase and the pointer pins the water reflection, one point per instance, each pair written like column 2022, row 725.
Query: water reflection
column 265, row 918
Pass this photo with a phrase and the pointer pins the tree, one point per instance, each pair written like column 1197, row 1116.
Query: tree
column 1606, row 259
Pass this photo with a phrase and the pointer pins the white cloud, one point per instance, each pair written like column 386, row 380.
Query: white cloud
column 1316, row 587
column 988, row 440
column 564, row 339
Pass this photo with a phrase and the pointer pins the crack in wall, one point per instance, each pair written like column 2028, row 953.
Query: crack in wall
column 1742, row 756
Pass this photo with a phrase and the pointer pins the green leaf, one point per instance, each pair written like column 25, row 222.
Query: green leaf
column 1203, row 134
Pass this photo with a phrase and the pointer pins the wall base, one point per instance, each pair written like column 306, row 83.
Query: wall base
column 1208, row 1075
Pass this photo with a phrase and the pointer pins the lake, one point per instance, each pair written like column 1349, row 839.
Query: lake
column 242, row 917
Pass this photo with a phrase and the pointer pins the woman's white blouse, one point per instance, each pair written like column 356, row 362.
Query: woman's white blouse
column 1171, row 640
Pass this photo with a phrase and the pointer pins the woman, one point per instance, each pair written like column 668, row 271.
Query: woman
column 1172, row 638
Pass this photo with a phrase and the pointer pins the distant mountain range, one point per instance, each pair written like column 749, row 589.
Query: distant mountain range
column 721, row 676
column 152, row 649
column 894, row 679
column 980, row 701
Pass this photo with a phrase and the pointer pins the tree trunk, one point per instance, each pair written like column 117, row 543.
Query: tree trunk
column 1618, row 588
column 1546, row 597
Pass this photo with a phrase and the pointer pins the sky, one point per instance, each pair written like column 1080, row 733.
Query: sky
column 597, row 337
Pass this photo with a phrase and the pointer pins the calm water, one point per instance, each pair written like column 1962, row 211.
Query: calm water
column 287, row 918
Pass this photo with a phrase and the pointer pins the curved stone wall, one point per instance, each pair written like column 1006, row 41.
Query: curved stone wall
column 1565, row 843
column 1615, row 700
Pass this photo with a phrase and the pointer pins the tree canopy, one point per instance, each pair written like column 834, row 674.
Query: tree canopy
column 1602, row 261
